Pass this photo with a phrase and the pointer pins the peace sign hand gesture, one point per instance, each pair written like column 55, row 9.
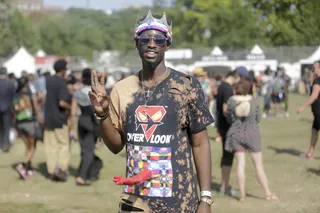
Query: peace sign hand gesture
column 98, row 96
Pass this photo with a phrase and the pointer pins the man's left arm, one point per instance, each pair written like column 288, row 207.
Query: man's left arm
column 202, row 159
column 199, row 118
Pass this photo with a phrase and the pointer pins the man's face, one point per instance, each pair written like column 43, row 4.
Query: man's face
column 316, row 68
column 152, row 45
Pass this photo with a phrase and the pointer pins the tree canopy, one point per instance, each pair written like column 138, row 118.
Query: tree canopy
column 230, row 24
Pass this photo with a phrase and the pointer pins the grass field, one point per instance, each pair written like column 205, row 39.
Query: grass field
column 295, row 180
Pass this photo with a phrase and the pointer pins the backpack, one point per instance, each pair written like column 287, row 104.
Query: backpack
column 23, row 107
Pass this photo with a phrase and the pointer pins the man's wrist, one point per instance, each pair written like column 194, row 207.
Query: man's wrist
column 206, row 193
column 103, row 117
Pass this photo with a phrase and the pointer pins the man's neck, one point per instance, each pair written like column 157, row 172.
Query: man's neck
column 152, row 73
column 229, row 81
column 60, row 74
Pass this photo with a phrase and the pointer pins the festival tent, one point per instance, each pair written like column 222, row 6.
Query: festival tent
column 257, row 60
column 217, row 62
column 311, row 59
column 20, row 61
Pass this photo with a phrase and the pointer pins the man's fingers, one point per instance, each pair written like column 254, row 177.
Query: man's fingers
column 95, row 78
column 102, row 78
column 92, row 95
column 95, row 91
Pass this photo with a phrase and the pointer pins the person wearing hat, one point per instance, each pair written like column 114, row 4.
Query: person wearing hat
column 202, row 76
column 56, row 134
column 161, row 116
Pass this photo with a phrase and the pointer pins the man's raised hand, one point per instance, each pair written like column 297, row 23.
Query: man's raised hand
column 98, row 95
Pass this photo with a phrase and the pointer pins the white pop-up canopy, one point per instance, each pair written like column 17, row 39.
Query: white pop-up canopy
column 311, row 59
column 20, row 61
column 257, row 60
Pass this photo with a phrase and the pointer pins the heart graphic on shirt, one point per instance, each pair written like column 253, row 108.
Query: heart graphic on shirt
column 149, row 118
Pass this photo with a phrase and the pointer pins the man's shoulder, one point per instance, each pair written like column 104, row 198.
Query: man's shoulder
column 128, row 82
column 184, row 78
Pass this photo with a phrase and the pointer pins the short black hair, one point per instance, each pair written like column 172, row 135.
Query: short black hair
column 86, row 76
column 60, row 65
column 71, row 80
column 22, row 83
column 233, row 73
column 3, row 71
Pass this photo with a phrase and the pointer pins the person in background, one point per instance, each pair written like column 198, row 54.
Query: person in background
column 27, row 112
column 32, row 83
column 72, row 114
column 225, row 91
column 287, row 82
column 7, row 91
column 265, row 91
column 202, row 76
column 314, row 101
column 88, row 133
column 277, row 90
column 56, row 134
column 13, row 79
column 253, row 80
column 40, row 85
column 244, row 136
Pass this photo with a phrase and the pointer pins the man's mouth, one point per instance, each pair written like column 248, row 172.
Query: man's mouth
column 150, row 54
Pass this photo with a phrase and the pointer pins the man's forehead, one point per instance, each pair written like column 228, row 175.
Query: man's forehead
column 152, row 32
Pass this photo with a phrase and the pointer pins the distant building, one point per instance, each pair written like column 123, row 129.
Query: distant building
column 30, row 6
column 27, row 5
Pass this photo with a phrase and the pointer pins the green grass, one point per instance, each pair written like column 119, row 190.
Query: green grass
column 295, row 180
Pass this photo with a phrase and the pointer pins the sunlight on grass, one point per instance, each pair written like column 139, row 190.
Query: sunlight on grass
column 295, row 180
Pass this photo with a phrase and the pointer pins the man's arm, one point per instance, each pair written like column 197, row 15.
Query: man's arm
column 64, row 104
column 112, row 137
column 202, row 158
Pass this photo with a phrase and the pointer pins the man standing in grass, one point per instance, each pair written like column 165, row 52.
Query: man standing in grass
column 161, row 116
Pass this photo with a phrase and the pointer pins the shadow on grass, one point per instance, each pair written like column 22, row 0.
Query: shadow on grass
column 306, row 120
column 291, row 151
column 314, row 171
column 42, row 169
column 216, row 187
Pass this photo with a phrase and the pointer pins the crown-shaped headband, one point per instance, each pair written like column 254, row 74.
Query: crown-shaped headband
column 152, row 23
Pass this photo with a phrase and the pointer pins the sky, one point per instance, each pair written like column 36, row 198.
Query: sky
column 101, row 4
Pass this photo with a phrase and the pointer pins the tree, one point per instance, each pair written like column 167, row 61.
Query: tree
column 18, row 31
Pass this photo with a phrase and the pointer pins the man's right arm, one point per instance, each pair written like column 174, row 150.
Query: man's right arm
column 112, row 137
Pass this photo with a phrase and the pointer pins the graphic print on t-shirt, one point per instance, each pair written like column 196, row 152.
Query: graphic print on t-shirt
column 158, row 161
column 149, row 118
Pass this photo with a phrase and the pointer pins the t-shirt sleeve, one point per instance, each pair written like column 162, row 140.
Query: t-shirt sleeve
column 199, row 114
column 63, row 92
column 115, row 113
column 317, row 81
column 227, row 93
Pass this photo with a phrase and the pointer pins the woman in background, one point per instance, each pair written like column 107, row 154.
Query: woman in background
column 244, row 136
column 27, row 113
column 88, row 133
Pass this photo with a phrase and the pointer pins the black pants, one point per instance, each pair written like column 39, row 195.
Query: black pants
column 5, row 126
column 227, row 157
column 90, row 165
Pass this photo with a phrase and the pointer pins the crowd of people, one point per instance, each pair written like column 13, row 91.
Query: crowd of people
column 159, row 115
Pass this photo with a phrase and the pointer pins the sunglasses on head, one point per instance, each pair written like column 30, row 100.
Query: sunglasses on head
column 158, row 39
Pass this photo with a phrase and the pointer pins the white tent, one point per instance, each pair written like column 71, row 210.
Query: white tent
column 41, row 53
column 258, row 61
column 314, row 57
column 20, row 61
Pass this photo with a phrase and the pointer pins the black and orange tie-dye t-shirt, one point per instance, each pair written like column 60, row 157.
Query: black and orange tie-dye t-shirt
column 158, row 137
